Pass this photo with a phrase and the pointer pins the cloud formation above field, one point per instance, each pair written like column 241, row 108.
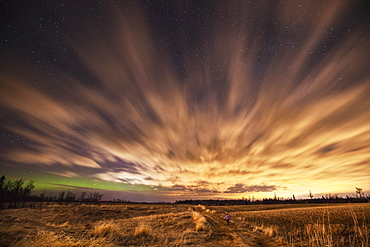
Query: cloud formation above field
column 204, row 99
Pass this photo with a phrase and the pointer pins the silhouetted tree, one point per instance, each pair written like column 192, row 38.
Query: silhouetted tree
column 2, row 181
column 359, row 192
column 12, row 191
column 310, row 195
column 95, row 196
column 61, row 196
column 42, row 195
column 70, row 197
column 82, row 196
column 28, row 189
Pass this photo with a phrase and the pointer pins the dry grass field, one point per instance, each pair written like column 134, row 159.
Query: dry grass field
column 306, row 225
column 184, row 225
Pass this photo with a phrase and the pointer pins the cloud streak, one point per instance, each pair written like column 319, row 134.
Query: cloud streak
column 241, row 188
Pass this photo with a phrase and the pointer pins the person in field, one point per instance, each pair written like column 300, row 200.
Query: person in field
column 227, row 217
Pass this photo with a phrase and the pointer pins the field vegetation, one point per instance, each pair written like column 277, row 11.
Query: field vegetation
column 132, row 224
column 102, row 225
column 307, row 225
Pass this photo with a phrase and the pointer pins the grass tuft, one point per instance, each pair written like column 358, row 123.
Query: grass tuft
column 269, row 231
column 143, row 230
column 199, row 221
column 106, row 229
column 48, row 238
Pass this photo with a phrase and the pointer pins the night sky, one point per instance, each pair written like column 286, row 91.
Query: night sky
column 168, row 100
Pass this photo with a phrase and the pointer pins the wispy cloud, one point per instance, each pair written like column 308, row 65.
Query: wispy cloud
column 67, row 174
column 242, row 188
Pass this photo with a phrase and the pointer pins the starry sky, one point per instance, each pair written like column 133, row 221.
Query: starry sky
column 170, row 100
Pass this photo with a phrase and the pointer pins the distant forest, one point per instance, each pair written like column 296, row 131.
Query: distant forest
column 329, row 198
column 14, row 194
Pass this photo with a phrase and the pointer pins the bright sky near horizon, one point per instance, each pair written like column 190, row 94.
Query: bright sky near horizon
column 168, row 100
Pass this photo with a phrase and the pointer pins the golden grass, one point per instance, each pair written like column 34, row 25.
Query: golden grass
column 102, row 225
column 269, row 231
column 49, row 238
column 65, row 224
column 108, row 229
column 199, row 221
column 177, row 225
column 210, row 211
column 102, row 234
column 143, row 230
column 335, row 225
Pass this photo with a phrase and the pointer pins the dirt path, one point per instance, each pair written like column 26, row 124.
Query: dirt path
column 234, row 235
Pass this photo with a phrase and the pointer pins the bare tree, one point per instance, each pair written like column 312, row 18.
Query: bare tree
column 359, row 192
column 310, row 195
column 82, row 196
column 61, row 196
column 70, row 196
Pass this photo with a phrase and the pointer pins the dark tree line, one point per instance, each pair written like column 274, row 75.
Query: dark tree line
column 70, row 197
column 329, row 198
column 15, row 192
